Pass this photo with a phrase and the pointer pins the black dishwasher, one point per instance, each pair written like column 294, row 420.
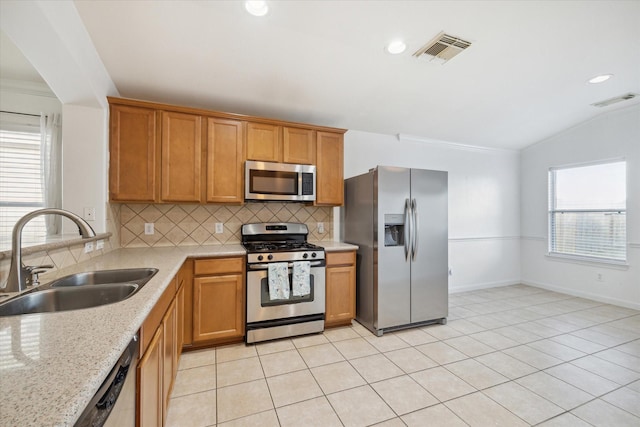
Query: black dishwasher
column 114, row 404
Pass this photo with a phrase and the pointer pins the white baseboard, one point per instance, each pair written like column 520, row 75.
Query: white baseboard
column 487, row 285
column 588, row 295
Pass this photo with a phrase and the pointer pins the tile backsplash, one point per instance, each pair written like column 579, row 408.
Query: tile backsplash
column 196, row 224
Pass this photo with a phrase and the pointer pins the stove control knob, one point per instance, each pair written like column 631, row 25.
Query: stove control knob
column 270, row 257
column 260, row 257
column 313, row 255
column 305, row 255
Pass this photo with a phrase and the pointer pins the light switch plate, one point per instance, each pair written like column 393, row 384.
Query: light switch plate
column 99, row 245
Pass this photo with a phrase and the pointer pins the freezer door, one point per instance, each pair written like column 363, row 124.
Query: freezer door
column 429, row 266
column 393, row 268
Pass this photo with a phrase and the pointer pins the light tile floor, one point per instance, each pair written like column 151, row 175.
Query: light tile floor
column 509, row 356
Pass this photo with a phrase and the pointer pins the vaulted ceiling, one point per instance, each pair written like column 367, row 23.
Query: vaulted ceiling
column 524, row 77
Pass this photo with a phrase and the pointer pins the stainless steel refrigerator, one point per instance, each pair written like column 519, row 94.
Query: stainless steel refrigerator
column 398, row 217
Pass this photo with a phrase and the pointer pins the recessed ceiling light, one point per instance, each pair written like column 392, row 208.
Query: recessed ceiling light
column 396, row 47
column 601, row 78
column 256, row 7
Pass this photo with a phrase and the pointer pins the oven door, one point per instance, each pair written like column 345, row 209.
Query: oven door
column 261, row 307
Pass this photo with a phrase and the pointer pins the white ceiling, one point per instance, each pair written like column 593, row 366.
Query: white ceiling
column 323, row 62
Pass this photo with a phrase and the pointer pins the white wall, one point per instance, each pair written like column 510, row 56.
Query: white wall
column 613, row 135
column 53, row 38
column 484, row 211
column 84, row 172
column 28, row 98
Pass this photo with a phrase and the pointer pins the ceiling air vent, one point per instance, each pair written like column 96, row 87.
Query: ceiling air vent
column 442, row 48
column 607, row 102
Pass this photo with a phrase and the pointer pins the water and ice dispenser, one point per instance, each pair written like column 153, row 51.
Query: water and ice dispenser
column 393, row 229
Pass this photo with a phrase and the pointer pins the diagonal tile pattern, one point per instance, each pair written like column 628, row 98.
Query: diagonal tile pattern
column 195, row 224
column 579, row 367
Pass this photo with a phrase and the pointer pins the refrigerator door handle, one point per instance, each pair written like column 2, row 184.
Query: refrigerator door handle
column 415, row 230
column 407, row 225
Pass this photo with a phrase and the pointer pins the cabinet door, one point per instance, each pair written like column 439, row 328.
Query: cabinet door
column 133, row 154
column 186, row 273
column 150, row 375
column 341, row 295
column 181, row 157
column 218, row 307
column 330, row 169
column 225, row 150
column 298, row 146
column 169, row 362
column 179, row 324
column 263, row 142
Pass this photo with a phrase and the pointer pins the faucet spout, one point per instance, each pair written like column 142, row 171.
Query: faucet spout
column 18, row 273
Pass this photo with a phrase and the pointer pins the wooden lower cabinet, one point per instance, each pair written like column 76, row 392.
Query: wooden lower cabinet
column 160, row 349
column 150, row 377
column 170, row 357
column 340, row 288
column 218, row 300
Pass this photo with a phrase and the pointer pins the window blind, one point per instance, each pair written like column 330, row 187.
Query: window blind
column 20, row 177
column 587, row 211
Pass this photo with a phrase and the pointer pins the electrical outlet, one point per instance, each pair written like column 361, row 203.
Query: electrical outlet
column 219, row 228
column 89, row 214
column 88, row 247
column 99, row 245
column 148, row 228
column 321, row 227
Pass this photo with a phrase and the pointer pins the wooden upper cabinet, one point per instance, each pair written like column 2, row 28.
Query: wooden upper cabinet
column 263, row 142
column 281, row 144
column 225, row 151
column 181, row 157
column 298, row 146
column 330, row 169
column 133, row 154
column 162, row 153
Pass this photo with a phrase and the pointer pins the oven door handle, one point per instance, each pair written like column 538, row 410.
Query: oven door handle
column 265, row 265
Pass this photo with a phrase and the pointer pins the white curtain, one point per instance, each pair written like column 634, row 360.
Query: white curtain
column 51, row 157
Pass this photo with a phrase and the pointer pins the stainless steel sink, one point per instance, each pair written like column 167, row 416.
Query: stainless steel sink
column 101, row 277
column 61, row 299
column 80, row 290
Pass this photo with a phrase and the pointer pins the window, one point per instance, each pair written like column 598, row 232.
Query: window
column 587, row 211
column 20, row 175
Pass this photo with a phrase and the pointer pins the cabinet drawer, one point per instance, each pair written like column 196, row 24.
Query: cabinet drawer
column 218, row 266
column 341, row 258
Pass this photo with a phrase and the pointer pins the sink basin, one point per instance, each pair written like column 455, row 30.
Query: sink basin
column 61, row 299
column 80, row 290
column 101, row 277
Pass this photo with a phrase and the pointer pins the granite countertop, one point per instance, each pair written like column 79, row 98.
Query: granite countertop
column 51, row 364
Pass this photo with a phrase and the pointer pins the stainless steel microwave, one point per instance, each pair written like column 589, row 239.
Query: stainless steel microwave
column 279, row 182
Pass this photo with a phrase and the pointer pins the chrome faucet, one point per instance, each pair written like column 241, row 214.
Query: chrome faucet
column 19, row 274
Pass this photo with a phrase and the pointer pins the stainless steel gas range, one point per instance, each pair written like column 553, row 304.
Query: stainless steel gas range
column 285, row 281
